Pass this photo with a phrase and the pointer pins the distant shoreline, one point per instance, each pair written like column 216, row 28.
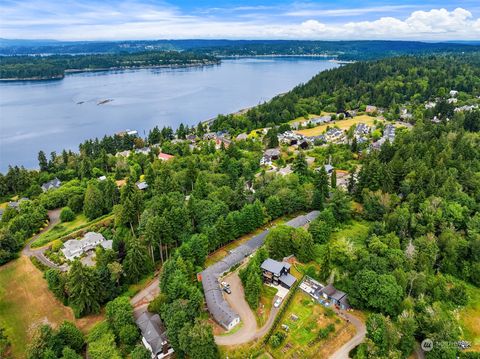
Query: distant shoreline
column 106, row 69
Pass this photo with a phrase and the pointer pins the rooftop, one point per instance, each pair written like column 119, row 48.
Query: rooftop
column 153, row 331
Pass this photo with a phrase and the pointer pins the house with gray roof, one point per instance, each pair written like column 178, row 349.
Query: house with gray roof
column 154, row 335
column 74, row 248
column 53, row 184
column 16, row 204
column 337, row 297
column 277, row 273
column 210, row 277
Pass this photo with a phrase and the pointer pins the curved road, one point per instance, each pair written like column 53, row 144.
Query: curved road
column 342, row 352
column 54, row 218
column 249, row 331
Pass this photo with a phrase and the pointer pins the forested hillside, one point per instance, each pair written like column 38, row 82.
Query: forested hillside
column 32, row 67
column 387, row 83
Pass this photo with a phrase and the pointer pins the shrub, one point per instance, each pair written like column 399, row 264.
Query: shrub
column 67, row 215
column 76, row 203
column 277, row 339
column 56, row 245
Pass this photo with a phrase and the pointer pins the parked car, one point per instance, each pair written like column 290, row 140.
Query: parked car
column 225, row 285
column 277, row 302
column 227, row 290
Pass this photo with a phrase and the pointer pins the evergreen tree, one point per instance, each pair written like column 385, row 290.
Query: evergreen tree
column 136, row 262
column 93, row 203
column 300, row 165
column 42, row 161
column 333, row 179
column 82, row 285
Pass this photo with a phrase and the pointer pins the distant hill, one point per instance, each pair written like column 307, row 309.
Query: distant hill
column 345, row 50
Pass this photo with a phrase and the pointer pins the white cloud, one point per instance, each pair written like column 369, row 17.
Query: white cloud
column 310, row 12
column 134, row 20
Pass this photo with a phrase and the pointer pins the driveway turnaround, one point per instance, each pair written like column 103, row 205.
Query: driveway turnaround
column 249, row 330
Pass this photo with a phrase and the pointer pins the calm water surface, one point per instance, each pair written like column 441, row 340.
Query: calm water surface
column 54, row 115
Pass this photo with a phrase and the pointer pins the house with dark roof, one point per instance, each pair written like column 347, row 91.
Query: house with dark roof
column 55, row 183
column 337, row 297
column 277, row 273
column 154, row 335
column 16, row 204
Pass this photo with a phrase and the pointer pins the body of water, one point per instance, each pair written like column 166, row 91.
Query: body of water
column 53, row 115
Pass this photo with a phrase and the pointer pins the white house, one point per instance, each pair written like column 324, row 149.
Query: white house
column 74, row 248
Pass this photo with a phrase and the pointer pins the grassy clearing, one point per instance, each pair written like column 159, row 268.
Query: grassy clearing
column 342, row 124
column 470, row 318
column 266, row 302
column 26, row 302
column 355, row 231
column 302, row 337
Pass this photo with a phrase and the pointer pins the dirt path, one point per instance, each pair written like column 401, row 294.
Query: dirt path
column 28, row 251
column 342, row 352
column 249, row 330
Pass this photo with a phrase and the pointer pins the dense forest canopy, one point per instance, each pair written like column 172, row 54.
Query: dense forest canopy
column 387, row 83
column 21, row 67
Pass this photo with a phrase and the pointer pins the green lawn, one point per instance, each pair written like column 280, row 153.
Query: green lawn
column 470, row 317
column 266, row 302
column 63, row 229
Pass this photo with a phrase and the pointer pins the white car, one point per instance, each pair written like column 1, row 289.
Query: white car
column 277, row 302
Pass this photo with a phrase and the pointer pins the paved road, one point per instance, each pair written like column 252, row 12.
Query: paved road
column 147, row 294
column 28, row 251
column 249, row 330
column 342, row 352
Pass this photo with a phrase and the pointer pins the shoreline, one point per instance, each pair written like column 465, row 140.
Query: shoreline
column 106, row 69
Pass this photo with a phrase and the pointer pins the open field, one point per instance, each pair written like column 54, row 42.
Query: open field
column 342, row 124
column 470, row 318
column 302, row 338
column 26, row 302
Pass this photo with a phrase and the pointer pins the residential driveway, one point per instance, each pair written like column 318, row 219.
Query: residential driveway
column 147, row 294
column 239, row 305
column 28, row 251
column 249, row 330
column 342, row 352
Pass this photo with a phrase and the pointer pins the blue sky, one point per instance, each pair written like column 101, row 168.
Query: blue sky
column 248, row 19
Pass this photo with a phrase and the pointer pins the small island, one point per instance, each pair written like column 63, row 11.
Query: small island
column 54, row 67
